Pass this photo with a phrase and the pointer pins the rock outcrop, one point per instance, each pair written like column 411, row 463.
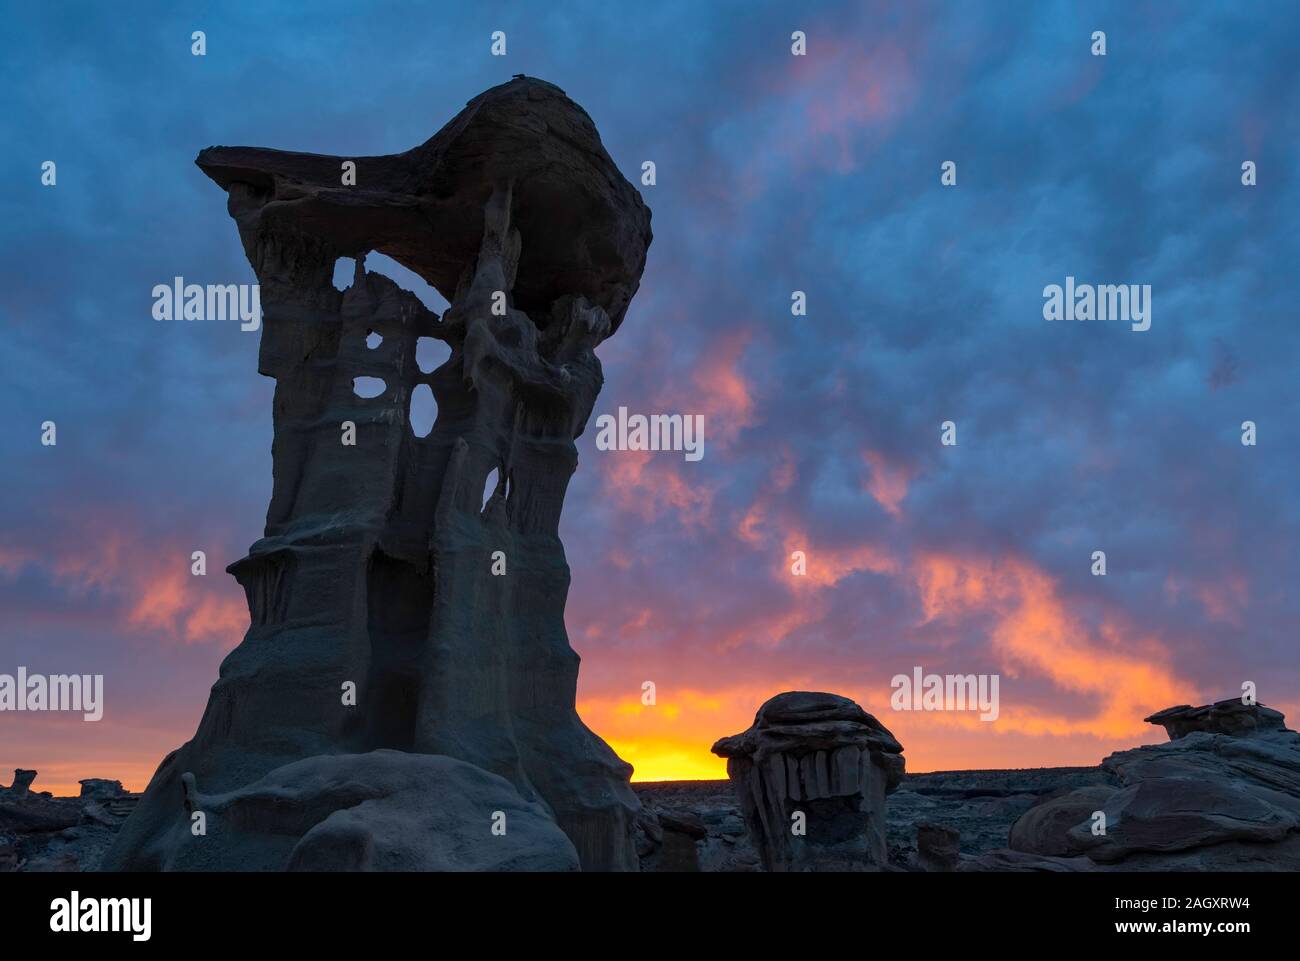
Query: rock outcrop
column 938, row 847
column 388, row 811
column 392, row 608
column 1046, row 827
column 669, row 840
column 41, row 832
column 1222, row 794
column 682, row 808
column 1222, row 717
column 811, row 775
column 23, row 778
column 101, row 789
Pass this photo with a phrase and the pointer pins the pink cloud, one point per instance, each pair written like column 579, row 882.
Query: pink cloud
column 886, row 483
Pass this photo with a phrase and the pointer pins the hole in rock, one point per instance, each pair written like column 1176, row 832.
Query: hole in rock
column 377, row 263
column 344, row 269
column 373, row 340
column 368, row 387
column 489, row 486
column 430, row 354
column 424, row 410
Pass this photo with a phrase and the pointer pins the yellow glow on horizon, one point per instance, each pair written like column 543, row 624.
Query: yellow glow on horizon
column 670, row 761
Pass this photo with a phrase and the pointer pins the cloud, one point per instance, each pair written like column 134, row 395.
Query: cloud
column 776, row 174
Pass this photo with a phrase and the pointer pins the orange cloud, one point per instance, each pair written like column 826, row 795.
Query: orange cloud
column 1034, row 638
column 172, row 602
column 154, row 583
column 827, row 566
column 1127, row 675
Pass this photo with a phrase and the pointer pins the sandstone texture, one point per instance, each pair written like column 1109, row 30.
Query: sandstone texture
column 1222, row 794
column 386, row 811
column 374, row 580
column 811, row 776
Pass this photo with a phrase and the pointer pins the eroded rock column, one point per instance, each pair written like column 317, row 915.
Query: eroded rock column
column 382, row 567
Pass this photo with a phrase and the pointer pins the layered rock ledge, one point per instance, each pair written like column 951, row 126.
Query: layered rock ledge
column 1223, row 794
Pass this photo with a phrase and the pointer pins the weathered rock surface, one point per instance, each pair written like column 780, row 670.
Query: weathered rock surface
column 670, row 839
column 382, row 811
column 818, row 761
column 375, row 570
column 1045, row 828
column 938, row 847
column 1224, row 793
column 41, row 832
column 726, row 846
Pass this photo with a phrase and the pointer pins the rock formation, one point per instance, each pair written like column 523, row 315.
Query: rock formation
column 1222, row 717
column 669, row 840
column 938, row 848
column 376, row 571
column 101, row 789
column 23, row 778
column 811, row 775
column 1222, row 794
column 392, row 811
column 693, row 826
column 41, row 832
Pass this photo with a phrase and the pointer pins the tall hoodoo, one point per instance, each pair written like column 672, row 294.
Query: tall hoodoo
column 376, row 567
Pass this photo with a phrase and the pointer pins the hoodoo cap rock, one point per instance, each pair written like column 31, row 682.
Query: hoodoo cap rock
column 584, row 227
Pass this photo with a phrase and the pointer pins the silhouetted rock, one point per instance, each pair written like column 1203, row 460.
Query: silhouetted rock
column 101, row 789
column 583, row 228
column 1222, row 717
column 1223, row 794
column 376, row 568
column 811, row 776
column 23, row 779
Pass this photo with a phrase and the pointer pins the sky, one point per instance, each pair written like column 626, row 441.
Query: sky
column 775, row 173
